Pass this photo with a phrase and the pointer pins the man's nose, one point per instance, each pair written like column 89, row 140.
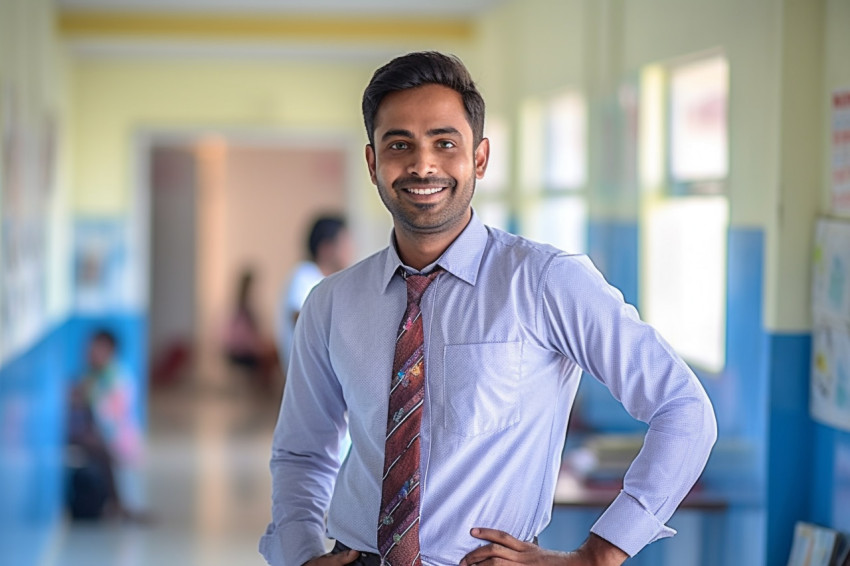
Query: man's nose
column 422, row 163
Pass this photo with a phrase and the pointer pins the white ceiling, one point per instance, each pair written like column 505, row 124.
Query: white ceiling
column 387, row 8
column 122, row 47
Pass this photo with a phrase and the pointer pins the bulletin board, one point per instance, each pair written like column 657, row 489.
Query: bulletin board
column 830, row 378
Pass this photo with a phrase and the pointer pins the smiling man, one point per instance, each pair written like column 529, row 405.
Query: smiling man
column 452, row 357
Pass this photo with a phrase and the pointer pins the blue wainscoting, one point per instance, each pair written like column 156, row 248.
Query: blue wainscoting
column 790, row 483
column 33, row 394
column 831, row 477
column 32, row 414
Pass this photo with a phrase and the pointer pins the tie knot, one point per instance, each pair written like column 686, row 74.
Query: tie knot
column 416, row 284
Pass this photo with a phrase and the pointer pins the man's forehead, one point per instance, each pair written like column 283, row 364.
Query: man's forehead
column 429, row 107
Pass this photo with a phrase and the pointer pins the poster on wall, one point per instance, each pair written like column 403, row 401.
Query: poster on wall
column 841, row 152
column 830, row 375
column 27, row 161
column 100, row 265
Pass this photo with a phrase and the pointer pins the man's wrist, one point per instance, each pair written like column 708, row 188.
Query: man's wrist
column 599, row 552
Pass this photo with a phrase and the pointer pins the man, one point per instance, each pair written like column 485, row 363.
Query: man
column 329, row 248
column 494, row 335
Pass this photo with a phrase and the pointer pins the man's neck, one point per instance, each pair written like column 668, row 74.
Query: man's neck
column 325, row 268
column 421, row 250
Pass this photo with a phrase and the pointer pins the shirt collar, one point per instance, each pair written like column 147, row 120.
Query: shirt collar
column 462, row 258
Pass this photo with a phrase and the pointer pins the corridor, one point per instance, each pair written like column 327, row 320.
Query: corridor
column 207, row 482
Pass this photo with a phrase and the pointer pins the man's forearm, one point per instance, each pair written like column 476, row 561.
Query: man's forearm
column 599, row 552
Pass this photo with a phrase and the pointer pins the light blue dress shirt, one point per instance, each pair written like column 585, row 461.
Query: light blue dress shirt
column 509, row 327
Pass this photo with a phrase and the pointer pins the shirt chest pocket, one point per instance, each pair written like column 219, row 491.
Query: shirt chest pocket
column 481, row 387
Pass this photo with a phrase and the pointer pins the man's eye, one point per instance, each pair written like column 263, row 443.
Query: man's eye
column 398, row 145
column 446, row 144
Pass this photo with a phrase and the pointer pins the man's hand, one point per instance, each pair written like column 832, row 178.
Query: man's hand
column 330, row 559
column 505, row 549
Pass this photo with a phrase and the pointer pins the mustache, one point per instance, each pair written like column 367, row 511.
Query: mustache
column 413, row 182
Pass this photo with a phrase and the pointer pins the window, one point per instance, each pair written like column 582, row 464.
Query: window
column 684, row 209
column 554, row 170
column 698, row 136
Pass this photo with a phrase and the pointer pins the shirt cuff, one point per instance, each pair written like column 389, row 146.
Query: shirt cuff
column 629, row 526
column 293, row 544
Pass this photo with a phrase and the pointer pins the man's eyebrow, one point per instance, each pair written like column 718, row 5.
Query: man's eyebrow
column 397, row 133
column 443, row 131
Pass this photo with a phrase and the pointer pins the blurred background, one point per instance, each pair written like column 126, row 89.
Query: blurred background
column 155, row 150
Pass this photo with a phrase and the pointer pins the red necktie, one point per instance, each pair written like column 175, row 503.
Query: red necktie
column 398, row 527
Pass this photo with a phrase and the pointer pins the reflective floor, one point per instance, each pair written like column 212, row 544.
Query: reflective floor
column 207, row 481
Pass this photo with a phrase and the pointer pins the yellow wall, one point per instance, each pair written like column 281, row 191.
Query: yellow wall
column 528, row 49
column 118, row 98
column 801, row 143
column 522, row 49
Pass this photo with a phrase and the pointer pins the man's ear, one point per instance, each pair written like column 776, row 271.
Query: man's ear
column 370, row 162
column 482, row 157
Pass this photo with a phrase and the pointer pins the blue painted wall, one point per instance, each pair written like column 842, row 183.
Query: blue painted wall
column 789, row 443
column 831, row 472
column 32, row 414
column 33, row 394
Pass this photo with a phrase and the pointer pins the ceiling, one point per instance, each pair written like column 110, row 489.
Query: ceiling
column 325, row 29
column 383, row 8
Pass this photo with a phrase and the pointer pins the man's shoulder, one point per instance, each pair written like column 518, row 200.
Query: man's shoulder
column 511, row 248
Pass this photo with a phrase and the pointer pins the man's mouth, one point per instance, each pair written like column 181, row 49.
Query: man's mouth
column 424, row 186
column 424, row 190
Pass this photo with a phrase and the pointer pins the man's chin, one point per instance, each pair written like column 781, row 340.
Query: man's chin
column 434, row 226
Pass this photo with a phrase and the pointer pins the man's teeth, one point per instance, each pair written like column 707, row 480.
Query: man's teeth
column 425, row 191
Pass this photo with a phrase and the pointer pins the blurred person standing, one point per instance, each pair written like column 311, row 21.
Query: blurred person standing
column 245, row 344
column 330, row 249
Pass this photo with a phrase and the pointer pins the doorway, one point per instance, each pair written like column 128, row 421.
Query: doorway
column 220, row 205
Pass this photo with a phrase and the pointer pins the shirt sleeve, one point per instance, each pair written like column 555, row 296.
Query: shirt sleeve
column 305, row 450
column 586, row 319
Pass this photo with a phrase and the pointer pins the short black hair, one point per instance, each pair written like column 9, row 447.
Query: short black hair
column 419, row 69
column 325, row 229
column 105, row 335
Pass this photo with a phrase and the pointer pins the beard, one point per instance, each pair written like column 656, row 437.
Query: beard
column 428, row 218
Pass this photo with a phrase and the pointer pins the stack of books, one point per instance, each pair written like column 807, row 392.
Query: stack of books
column 819, row 546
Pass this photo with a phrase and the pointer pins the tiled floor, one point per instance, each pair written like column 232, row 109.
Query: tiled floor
column 208, row 486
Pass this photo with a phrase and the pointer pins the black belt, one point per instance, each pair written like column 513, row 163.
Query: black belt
column 365, row 558
column 368, row 558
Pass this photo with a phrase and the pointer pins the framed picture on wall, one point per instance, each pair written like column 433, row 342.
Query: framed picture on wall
column 100, row 264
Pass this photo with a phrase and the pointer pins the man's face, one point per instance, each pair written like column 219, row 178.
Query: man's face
column 423, row 160
column 342, row 250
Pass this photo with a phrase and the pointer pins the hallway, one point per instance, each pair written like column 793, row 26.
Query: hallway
column 207, row 481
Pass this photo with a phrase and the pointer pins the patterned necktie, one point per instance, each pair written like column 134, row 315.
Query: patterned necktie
column 398, row 527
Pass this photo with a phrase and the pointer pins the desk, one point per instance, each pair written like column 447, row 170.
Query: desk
column 702, row 522
column 571, row 492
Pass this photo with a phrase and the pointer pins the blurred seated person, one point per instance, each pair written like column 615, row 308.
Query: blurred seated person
column 104, row 438
column 329, row 249
column 245, row 346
